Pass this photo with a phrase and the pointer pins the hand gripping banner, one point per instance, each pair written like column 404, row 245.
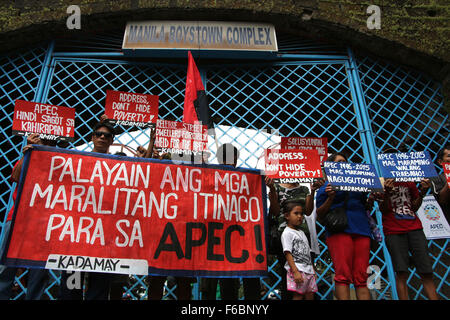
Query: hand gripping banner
column 94, row 212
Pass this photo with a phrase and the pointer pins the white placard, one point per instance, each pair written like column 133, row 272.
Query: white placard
column 435, row 226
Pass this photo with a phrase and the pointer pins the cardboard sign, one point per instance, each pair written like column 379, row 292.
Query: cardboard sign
column 51, row 122
column 83, row 211
column 319, row 144
column 446, row 167
column 435, row 226
column 181, row 137
column 346, row 176
column 411, row 166
column 131, row 109
column 290, row 166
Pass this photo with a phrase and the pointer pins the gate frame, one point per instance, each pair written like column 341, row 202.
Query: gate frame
column 357, row 97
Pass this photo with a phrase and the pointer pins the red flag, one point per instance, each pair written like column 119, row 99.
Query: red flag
column 196, row 106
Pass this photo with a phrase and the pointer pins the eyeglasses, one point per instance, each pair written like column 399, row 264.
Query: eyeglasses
column 107, row 135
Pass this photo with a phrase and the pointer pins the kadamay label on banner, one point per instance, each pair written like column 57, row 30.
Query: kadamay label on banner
column 131, row 109
column 307, row 143
column 408, row 166
column 181, row 137
column 346, row 176
column 290, row 166
column 50, row 121
column 446, row 167
column 83, row 211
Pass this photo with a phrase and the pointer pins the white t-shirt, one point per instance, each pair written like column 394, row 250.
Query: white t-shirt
column 296, row 243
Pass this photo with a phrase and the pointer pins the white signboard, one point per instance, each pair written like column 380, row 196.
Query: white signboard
column 433, row 220
column 200, row 35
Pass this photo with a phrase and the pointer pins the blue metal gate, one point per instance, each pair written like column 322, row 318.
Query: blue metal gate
column 359, row 104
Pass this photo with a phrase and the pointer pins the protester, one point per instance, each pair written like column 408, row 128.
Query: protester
column 37, row 278
column 350, row 248
column 98, row 284
column 301, row 278
column 227, row 154
column 278, row 194
column 404, row 233
column 440, row 188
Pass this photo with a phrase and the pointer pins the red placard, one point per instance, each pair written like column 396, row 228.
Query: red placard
column 288, row 166
column 320, row 144
column 178, row 137
column 446, row 167
column 51, row 122
column 81, row 211
column 131, row 109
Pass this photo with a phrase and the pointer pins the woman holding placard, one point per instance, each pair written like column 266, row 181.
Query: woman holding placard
column 349, row 243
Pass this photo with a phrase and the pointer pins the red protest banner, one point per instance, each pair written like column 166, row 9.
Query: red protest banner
column 320, row 144
column 176, row 137
column 288, row 166
column 51, row 122
column 446, row 167
column 131, row 109
column 79, row 211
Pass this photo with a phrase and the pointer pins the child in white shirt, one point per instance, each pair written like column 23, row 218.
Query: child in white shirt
column 301, row 278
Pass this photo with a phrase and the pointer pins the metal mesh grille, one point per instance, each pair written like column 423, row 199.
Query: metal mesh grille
column 294, row 98
column 406, row 113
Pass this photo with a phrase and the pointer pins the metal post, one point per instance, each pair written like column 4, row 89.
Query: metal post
column 362, row 110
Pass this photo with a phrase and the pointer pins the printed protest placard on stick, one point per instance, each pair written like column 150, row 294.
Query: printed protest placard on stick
column 408, row 166
column 131, row 109
column 51, row 122
column 91, row 212
column 180, row 137
column 307, row 143
column 446, row 167
column 290, row 166
column 346, row 176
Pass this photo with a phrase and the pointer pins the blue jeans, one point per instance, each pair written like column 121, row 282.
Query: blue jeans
column 37, row 278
